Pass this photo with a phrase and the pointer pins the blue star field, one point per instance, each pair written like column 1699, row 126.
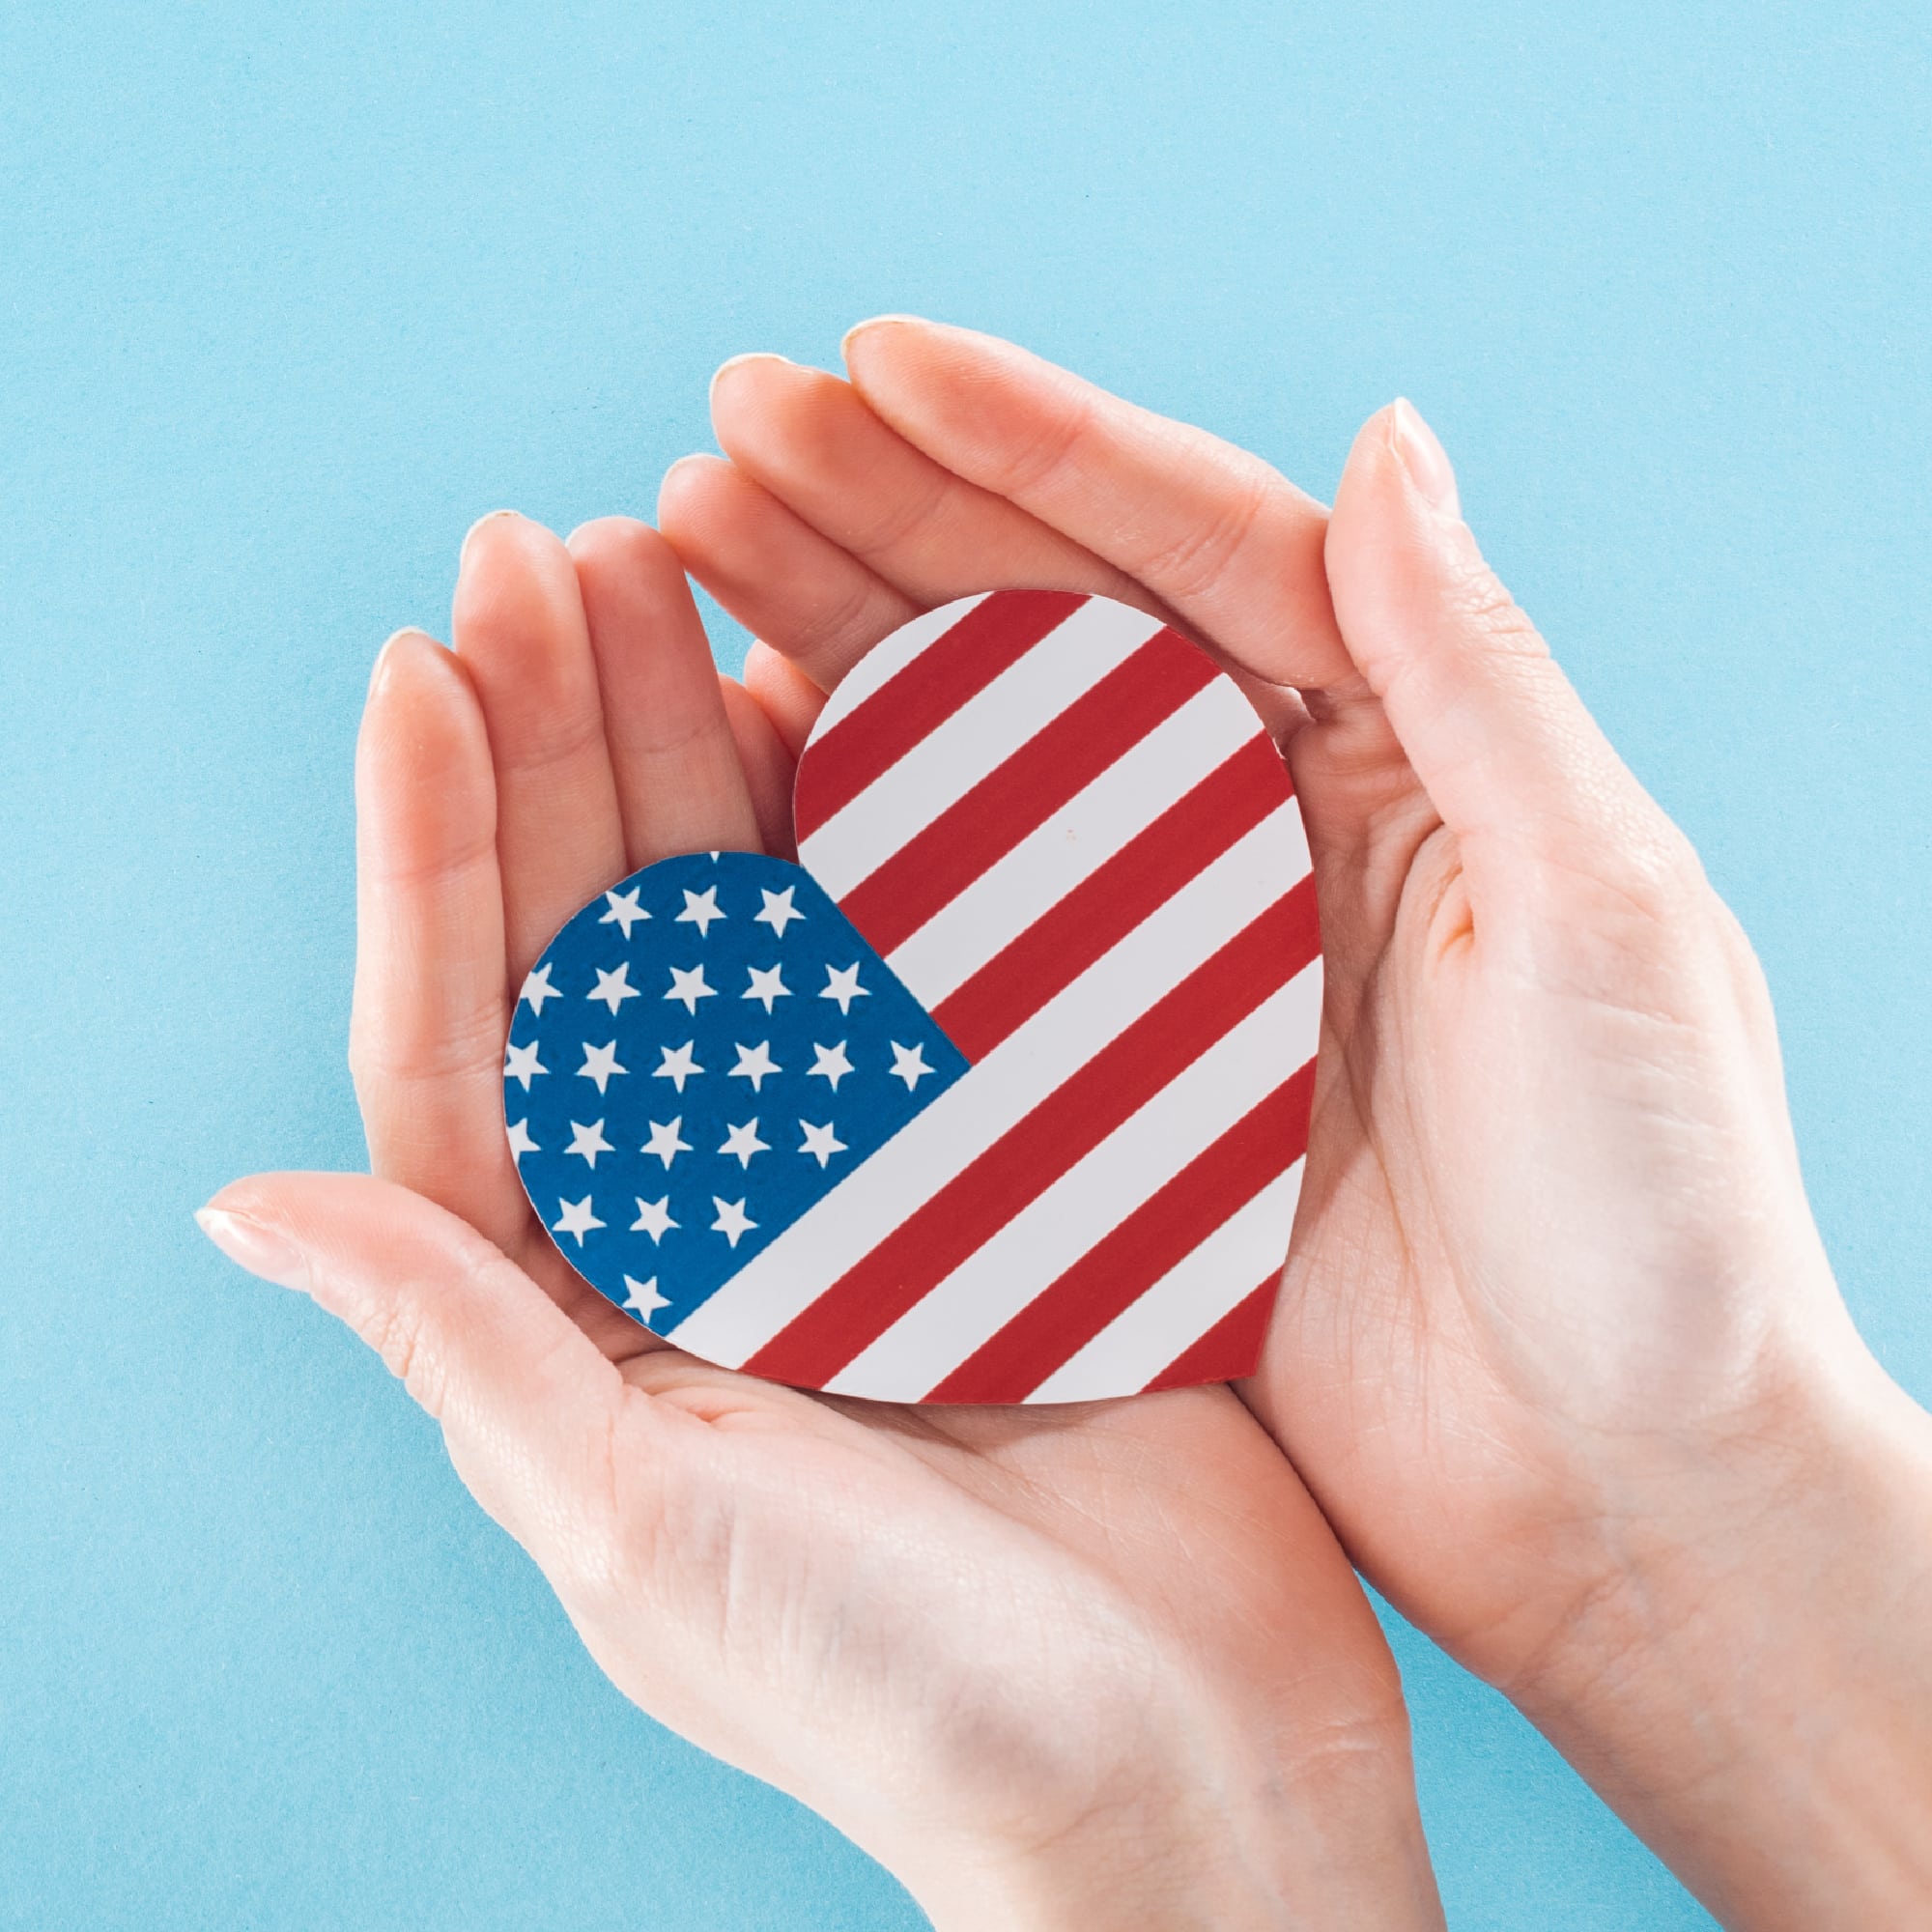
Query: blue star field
column 702, row 1054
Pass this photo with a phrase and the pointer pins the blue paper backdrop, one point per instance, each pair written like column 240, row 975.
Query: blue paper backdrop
column 288, row 295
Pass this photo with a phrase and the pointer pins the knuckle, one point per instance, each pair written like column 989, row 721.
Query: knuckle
column 1479, row 602
column 1037, row 460
column 397, row 1334
column 1191, row 562
column 898, row 517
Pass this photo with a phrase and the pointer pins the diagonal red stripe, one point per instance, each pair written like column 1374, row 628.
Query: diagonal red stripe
column 986, row 1194
column 1106, row 905
column 957, row 665
column 986, row 821
column 1230, row 1349
column 1127, row 1262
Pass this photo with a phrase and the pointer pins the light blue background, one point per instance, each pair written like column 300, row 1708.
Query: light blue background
column 288, row 295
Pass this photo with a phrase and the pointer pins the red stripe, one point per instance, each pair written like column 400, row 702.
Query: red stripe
column 1138, row 1251
column 956, row 664
column 1106, row 905
column 985, row 822
column 986, row 1194
column 1230, row 1349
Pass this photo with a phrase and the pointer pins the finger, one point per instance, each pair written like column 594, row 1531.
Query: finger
column 778, row 576
column 531, row 1412
column 673, row 758
column 426, row 1033
column 785, row 693
column 810, row 440
column 519, row 626
column 1500, row 739
column 768, row 767
column 1230, row 544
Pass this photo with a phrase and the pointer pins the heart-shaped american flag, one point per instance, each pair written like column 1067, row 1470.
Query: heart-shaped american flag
column 1001, row 1094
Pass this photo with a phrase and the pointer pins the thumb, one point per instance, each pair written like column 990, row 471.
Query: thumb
column 528, row 1406
column 1511, row 759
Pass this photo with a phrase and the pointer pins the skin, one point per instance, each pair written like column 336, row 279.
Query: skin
column 1104, row 1662
column 1559, row 1354
column 1559, row 1351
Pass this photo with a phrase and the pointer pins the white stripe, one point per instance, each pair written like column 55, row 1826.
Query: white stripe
column 1185, row 1303
column 986, row 730
column 1054, row 1230
column 841, row 1227
column 889, row 656
column 1086, row 831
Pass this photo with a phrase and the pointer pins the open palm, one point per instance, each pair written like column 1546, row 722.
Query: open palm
column 959, row 1633
column 1551, row 1225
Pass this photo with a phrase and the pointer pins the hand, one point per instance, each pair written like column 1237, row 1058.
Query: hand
column 1558, row 1349
column 1104, row 1661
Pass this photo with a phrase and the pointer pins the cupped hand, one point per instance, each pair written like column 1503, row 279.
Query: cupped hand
column 1558, row 1349
column 1105, row 1661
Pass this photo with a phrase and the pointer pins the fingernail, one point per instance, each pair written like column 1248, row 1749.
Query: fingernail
column 490, row 517
column 858, row 328
column 386, row 658
column 726, row 367
column 258, row 1249
column 1424, row 458
column 697, row 457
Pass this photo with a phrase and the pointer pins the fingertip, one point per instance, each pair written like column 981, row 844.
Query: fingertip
column 622, row 543
column 760, row 405
column 731, row 372
column 1424, row 461
column 786, row 696
column 516, row 591
column 420, row 694
column 397, row 641
column 875, row 327
column 687, row 487
column 483, row 523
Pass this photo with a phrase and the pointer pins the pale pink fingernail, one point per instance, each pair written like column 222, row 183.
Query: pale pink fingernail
column 873, row 322
column 1425, row 459
column 733, row 363
column 379, row 674
column 488, row 517
column 261, row 1250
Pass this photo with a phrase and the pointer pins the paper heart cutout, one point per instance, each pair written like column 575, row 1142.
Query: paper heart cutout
column 1001, row 1094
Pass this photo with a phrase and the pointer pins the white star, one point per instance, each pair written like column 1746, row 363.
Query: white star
column 643, row 1300
column 732, row 1220
column 754, row 1064
column 909, row 1064
column 821, row 1141
column 690, row 987
column 521, row 1141
column 744, row 1142
column 599, row 1063
column 699, row 910
column 588, row 1141
column 844, row 987
column 665, row 1141
column 653, row 1218
column 832, row 1062
column 680, row 1062
column 613, row 988
column 537, row 988
column 767, row 985
column 778, row 912
column 522, row 1063
column 625, row 911
column 576, row 1218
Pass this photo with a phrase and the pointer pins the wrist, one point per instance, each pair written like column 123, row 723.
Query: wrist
column 1226, row 1833
column 1751, row 1686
